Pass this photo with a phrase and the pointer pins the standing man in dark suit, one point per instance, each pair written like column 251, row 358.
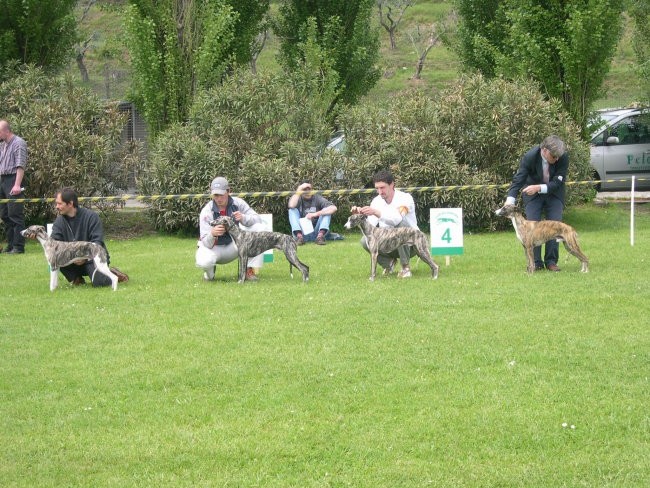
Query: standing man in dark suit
column 541, row 177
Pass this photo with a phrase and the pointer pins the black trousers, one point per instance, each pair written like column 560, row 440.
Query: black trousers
column 552, row 208
column 78, row 271
column 12, row 214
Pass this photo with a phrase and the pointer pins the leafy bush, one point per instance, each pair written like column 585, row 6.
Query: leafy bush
column 472, row 134
column 73, row 138
column 260, row 131
column 406, row 140
column 489, row 125
column 263, row 133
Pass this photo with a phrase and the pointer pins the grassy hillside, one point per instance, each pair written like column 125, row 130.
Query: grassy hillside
column 107, row 59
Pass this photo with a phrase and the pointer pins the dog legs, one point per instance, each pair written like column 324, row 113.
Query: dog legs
column 292, row 257
column 574, row 249
column 373, row 264
column 243, row 263
column 530, row 269
column 422, row 250
column 54, row 279
column 103, row 268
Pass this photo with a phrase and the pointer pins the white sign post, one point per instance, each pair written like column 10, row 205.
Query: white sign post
column 268, row 222
column 446, row 231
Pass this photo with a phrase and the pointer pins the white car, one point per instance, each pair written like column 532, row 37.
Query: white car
column 620, row 148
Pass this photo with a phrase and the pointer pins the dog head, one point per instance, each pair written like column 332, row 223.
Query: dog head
column 508, row 211
column 355, row 219
column 227, row 222
column 34, row 232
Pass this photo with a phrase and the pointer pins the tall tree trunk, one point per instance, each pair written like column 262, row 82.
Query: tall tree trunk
column 82, row 67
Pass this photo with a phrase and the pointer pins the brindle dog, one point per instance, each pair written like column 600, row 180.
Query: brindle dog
column 250, row 244
column 60, row 254
column 531, row 233
column 383, row 240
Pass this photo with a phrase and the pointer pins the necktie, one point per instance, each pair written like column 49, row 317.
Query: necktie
column 545, row 175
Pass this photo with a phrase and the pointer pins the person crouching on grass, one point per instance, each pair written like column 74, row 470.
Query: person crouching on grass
column 390, row 208
column 75, row 224
column 215, row 245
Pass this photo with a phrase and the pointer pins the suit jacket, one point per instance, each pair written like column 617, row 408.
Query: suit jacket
column 530, row 172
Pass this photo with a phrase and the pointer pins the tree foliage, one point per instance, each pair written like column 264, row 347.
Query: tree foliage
column 248, row 24
column 264, row 133
column 343, row 29
column 178, row 48
column 73, row 138
column 566, row 47
column 640, row 11
column 37, row 32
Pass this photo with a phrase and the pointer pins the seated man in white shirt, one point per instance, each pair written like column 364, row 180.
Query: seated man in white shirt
column 390, row 208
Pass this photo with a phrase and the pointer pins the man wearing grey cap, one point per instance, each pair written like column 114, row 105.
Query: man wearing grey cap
column 215, row 245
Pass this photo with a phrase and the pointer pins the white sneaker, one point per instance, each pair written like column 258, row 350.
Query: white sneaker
column 404, row 273
column 209, row 276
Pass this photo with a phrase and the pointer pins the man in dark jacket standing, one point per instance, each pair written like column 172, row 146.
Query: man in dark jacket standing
column 541, row 178
column 74, row 224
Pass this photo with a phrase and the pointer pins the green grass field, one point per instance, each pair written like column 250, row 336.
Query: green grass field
column 464, row 381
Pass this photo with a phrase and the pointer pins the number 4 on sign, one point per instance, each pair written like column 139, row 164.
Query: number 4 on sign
column 446, row 236
column 446, row 232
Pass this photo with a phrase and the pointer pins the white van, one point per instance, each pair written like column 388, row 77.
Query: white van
column 620, row 148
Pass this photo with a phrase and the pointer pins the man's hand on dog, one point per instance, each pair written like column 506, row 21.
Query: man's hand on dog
column 367, row 210
column 218, row 230
column 532, row 189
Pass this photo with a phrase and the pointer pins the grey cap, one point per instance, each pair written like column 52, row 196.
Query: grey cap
column 219, row 186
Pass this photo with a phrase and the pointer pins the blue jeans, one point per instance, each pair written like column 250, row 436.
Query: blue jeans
column 323, row 223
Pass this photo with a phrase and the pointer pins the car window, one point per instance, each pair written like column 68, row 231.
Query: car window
column 599, row 139
column 631, row 130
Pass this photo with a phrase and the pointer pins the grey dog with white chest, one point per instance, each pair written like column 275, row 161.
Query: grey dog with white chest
column 60, row 254
column 386, row 239
column 251, row 244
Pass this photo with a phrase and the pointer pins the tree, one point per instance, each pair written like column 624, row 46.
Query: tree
column 249, row 23
column 37, row 32
column 344, row 31
column 481, row 34
column 177, row 48
column 257, row 45
column 390, row 15
column 566, row 47
column 425, row 38
column 82, row 46
column 640, row 12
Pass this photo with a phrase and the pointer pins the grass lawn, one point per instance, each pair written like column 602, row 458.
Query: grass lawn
column 485, row 377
